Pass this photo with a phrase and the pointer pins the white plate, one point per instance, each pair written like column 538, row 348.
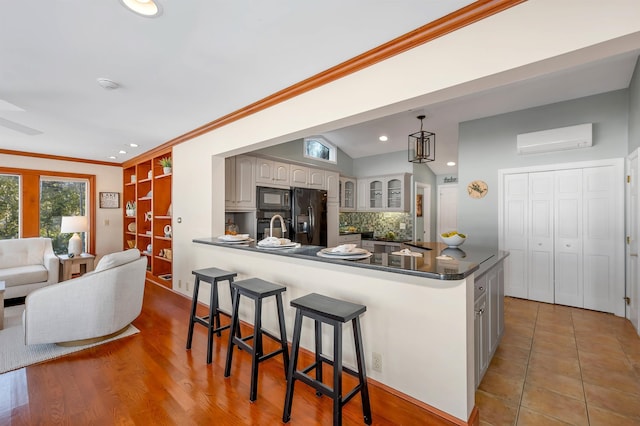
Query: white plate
column 234, row 238
column 248, row 240
column 353, row 252
column 281, row 246
column 354, row 257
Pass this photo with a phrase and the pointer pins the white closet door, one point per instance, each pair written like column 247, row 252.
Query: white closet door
column 600, row 236
column 568, row 238
column 515, row 229
column 541, row 237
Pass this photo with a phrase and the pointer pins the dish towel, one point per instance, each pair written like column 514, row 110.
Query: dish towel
column 407, row 252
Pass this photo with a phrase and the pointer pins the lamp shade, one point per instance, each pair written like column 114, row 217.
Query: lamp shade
column 71, row 224
column 74, row 224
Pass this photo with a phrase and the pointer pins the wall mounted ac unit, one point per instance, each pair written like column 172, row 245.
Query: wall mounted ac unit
column 559, row 139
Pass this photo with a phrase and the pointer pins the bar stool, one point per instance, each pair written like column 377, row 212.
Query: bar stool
column 323, row 309
column 256, row 289
column 211, row 321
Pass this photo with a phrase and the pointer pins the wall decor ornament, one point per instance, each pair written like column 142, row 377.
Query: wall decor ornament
column 109, row 200
column 477, row 189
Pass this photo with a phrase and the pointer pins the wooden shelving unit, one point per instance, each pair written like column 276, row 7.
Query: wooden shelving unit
column 150, row 189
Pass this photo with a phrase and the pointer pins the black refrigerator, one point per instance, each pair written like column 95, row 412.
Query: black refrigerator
column 309, row 216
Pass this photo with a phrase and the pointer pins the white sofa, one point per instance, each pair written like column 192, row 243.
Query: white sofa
column 97, row 304
column 27, row 264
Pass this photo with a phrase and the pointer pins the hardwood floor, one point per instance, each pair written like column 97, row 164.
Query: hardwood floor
column 150, row 378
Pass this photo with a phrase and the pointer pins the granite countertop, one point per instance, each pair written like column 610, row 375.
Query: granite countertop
column 461, row 263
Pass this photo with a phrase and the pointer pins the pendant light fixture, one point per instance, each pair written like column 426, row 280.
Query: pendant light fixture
column 422, row 145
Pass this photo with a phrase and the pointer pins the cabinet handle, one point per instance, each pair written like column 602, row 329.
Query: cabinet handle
column 480, row 288
column 568, row 245
column 539, row 244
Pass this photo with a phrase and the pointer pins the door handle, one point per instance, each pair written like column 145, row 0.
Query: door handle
column 633, row 254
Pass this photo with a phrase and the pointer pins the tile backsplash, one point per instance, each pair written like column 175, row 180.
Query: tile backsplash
column 379, row 223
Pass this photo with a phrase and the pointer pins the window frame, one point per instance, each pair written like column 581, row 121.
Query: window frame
column 333, row 150
column 30, row 200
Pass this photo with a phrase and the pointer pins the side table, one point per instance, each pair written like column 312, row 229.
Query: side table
column 85, row 260
column 1, row 305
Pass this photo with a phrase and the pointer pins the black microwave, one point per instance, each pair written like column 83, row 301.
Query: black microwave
column 273, row 199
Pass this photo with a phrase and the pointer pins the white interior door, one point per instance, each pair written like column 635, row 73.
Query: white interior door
column 422, row 224
column 600, row 238
column 568, row 238
column 515, row 233
column 447, row 208
column 541, row 285
column 633, row 280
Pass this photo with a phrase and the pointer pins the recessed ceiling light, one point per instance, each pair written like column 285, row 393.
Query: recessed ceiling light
column 133, row 145
column 112, row 157
column 383, row 138
column 122, row 151
column 146, row 8
column 451, row 163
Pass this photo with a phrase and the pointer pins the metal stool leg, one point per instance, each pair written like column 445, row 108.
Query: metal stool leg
column 194, row 305
column 257, row 349
column 283, row 334
column 213, row 313
column 318, row 343
column 238, row 334
column 235, row 323
column 293, row 365
column 362, row 373
column 337, row 374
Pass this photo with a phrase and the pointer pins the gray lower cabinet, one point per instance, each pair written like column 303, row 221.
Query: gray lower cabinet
column 481, row 334
column 488, row 317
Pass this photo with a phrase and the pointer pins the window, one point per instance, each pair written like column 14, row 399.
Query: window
column 9, row 206
column 32, row 203
column 318, row 148
column 61, row 197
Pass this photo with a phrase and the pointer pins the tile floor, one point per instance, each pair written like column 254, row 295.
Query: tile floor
column 558, row 365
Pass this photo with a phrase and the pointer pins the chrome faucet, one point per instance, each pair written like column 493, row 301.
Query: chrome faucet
column 282, row 227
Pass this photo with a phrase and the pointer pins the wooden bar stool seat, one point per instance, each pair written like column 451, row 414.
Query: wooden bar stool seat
column 257, row 290
column 335, row 312
column 212, row 320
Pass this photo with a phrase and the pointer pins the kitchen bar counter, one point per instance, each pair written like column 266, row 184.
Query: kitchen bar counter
column 405, row 297
column 460, row 265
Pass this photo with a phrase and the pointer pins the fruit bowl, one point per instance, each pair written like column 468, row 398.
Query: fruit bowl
column 453, row 239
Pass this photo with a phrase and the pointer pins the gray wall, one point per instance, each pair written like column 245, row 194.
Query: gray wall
column 489, row 144
column 634, row 110
column 384, row 164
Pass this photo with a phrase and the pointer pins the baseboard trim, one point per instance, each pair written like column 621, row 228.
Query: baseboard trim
column 474, row 418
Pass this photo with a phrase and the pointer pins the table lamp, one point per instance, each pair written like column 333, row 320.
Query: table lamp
column 74, row 224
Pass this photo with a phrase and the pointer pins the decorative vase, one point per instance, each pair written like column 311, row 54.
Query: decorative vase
column 166, row 170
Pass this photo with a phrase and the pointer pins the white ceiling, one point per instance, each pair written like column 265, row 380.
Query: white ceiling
column 203, row 59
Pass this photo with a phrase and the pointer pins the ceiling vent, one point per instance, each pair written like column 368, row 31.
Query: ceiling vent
column 563, row 138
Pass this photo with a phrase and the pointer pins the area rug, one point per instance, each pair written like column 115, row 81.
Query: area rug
column 15, row 354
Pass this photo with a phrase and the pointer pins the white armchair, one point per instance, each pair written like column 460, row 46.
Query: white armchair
column 95, row 305
column 27, row 264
